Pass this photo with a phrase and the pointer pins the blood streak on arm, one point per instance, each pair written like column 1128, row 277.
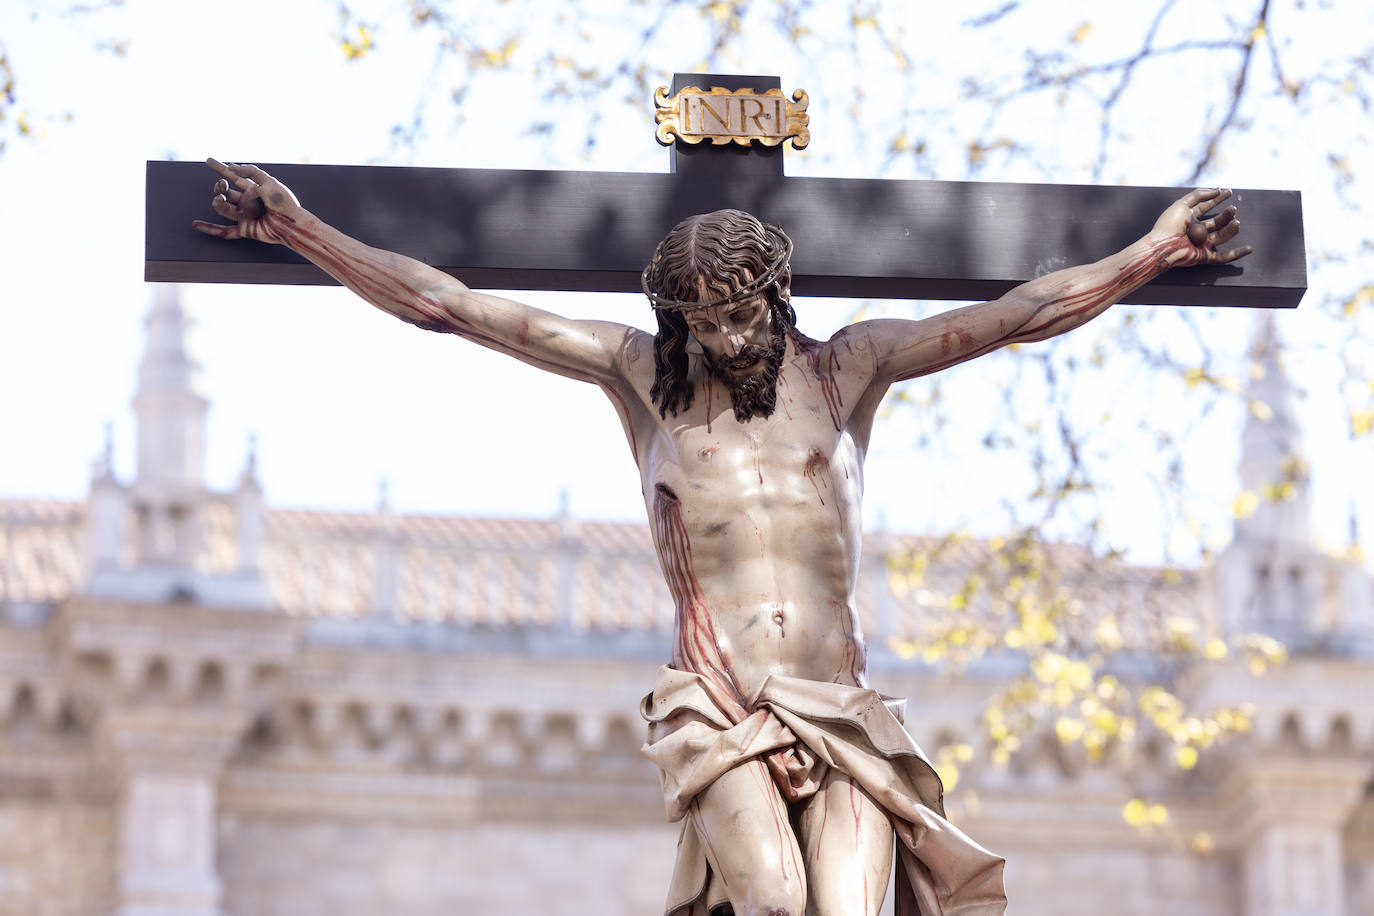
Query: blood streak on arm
column 1061, row 313
column 378, row 284
column 384, row 285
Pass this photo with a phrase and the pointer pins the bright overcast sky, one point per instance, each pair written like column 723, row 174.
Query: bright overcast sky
column 339, row 396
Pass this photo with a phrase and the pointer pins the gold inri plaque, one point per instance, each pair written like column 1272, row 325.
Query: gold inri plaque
column 722, row 116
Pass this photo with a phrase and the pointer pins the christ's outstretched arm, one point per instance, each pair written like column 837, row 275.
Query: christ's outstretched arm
column 265, row 210
column 1183, row 235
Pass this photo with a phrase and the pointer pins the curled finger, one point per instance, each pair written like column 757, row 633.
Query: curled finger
column 1221, row 219
column 1224, row 234
column 224, row 208
column 1219, row 195
column 222, row 189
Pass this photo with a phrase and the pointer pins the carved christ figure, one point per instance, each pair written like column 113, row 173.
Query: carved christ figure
column 790, row 775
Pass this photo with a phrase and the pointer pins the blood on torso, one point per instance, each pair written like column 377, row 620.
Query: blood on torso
column 757, row 527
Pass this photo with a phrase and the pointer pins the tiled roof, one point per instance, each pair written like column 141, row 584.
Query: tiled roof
column 492, row 572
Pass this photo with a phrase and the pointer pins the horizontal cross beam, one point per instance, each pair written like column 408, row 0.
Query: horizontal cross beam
column 594, row 231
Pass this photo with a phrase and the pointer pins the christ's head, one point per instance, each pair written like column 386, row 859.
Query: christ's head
column 723, row 280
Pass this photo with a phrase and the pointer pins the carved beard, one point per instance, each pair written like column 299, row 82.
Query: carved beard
column 756, row 394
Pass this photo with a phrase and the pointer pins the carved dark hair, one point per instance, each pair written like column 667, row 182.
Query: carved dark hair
column 706, row 257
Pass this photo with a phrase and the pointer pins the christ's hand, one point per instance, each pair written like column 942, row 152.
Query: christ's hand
column 253, row 199
column 1187, row 217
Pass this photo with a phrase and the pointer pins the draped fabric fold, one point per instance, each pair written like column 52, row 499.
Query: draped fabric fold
column 815, row 725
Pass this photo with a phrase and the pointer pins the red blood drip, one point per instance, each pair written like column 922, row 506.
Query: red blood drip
column 697, row 648
column 710, row 391
column 824, row 365
column 856, row 655
column 816, row 465
column 784, row 399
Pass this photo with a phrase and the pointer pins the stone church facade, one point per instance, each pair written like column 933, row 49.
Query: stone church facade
column 209, row 706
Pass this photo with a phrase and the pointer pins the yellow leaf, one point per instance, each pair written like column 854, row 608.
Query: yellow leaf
column 1194, row 377
column 1262, row 411
column 1280, row 492
column 1215, row 649
column 718, row 11
column 948, row 773
column 1361, row 422
column 1203, row 844
column 1069, row 730
column 1079, row 675
column 1362, row 298
column 1259, row 31
column 1135, row 812
column 356, row 49
column 1185, row 757
column 1108, row 635
column 1081, row 32
column 1245, row 504
column 1181, row 627
column 1159, row 815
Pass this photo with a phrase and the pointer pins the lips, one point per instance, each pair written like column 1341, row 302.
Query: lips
column 748, row 358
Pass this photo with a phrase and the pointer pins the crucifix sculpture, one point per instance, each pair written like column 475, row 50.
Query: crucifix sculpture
column 790, row 775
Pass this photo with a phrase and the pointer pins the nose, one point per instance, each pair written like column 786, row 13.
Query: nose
column 731, row 341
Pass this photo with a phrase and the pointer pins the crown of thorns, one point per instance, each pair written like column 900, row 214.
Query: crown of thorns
column 748, row 291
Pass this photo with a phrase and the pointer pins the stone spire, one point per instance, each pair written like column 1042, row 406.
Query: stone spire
column 149, row 540
column 107, row 512
column 1269, row 577
column 1272, row 464
column 170, row 412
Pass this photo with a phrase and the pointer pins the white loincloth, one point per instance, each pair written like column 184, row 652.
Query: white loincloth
column 942, row 872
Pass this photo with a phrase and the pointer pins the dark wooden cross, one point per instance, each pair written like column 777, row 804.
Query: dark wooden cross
column 594, row 231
